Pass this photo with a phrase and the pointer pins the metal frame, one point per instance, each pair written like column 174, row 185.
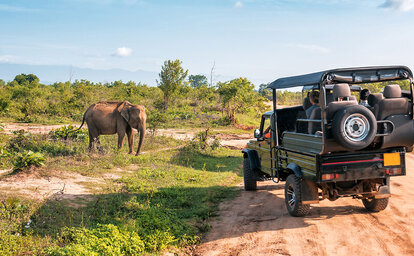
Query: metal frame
column 321, row 79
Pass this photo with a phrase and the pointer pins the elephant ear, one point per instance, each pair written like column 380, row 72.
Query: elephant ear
column 124, row 110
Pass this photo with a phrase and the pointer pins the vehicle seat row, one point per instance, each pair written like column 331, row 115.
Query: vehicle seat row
column 342, row 97
column 391, row 104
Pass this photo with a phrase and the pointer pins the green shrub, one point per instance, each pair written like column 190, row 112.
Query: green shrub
column 24, row 141
column 19, row 142
column 201, row 141
column 68, row 132
column 27, row 159
column 103, row 240
column 3, row 152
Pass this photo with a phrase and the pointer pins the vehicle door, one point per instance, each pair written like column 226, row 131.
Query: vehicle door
column 265, row 143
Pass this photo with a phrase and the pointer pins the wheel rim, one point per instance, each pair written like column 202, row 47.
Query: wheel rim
column 356, row 127
column 291, row 197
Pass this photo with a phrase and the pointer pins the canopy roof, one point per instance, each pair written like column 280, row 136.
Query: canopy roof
column 345, row 75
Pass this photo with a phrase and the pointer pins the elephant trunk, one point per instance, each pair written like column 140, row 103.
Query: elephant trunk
column 141, row 128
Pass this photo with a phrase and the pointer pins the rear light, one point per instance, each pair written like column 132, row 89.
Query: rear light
column 331, row 176
column 394, row 171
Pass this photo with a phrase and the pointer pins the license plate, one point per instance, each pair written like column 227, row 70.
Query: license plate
column 392, row 159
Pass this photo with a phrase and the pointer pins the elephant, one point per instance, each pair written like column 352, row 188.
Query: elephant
column 110, row 117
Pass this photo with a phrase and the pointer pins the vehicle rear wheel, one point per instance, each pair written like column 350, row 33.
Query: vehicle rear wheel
column 375, row 205
column 293, row 198
column 250, row 176
column 354, row 127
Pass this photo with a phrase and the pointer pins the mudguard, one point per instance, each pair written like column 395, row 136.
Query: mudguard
column 309, row 192
column 384, row 190
column 296, row 169
column 253, row 157
column 309, row 189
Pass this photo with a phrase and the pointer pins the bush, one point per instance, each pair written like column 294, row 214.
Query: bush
column 103, row 240
column 19, row 142
column 27, row 159
column 201, row 141
column 67, row 132
column 157, row 119
column 24, row 141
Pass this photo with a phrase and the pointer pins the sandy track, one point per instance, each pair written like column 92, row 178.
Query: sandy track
column 257, row 223
column 237, row 141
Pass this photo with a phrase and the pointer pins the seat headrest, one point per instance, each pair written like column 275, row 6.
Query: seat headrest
column 374, row 98
column 306, row 103
column 392, row 91
column 341, row 91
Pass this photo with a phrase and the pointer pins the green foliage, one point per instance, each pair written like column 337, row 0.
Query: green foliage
column 165, row 201
column 197, row 81
column 4, row 152
column 68, row 132
column 13, row 241
column 102, row 240
column 172, row 78
column 264, row 92
column 157, row 119
column 237, row 96
column 26, row 159
column 202, row 141
column 289, row 98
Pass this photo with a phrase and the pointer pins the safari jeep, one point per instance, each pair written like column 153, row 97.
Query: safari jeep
column 341, row 148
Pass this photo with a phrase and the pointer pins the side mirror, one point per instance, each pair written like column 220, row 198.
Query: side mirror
column 257, row 134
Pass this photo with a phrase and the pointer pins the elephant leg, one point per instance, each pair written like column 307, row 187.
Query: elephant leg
column 121, row 135
column 91, row 142
column 98, row 145
column 94, row 139
column 130, row 135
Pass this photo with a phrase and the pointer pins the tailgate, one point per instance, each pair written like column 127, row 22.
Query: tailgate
column 362, row 165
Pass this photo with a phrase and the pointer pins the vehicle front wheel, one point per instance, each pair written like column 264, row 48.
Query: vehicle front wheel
column 375, row 205
column 293, row 198
column 250, row 176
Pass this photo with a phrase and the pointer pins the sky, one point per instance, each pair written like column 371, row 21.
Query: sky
column 258, row 39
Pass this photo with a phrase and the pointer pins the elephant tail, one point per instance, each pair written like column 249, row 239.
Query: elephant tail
column 83, row 121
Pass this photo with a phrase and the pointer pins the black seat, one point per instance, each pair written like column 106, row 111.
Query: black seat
column 342, row 97
column 306, row 103
column 392, row 104
column 374, row 98
column 314, row 127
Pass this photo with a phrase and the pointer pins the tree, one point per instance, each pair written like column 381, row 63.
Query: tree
column 172, row 77
column 237, row 96
column 197, row 81
column 263, row 91
column 24, row 79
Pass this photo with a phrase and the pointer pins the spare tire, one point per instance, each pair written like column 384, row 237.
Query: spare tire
column 354, row 127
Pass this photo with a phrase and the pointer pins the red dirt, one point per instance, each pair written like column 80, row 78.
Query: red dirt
column 257, row 223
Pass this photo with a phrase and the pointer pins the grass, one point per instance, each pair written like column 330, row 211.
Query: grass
column 165, row 200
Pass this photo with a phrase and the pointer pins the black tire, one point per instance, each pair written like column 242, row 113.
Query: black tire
column 354, row 127
column 293, row 198
column 250, row 176
column 375, row 205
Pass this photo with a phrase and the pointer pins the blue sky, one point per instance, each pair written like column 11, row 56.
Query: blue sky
column 258, row 39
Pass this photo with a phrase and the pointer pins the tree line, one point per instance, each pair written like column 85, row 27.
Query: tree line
column 177, row 96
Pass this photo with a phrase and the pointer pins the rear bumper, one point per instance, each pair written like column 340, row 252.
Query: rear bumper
column 361, row 166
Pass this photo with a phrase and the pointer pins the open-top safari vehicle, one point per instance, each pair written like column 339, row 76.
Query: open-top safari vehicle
column 340, row 148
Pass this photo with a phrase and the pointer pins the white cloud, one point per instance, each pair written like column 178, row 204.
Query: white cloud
column 399, row 5
column 123, row 52
column 238, row 4
column 5, row 58
column 310, row 47
column 11, row 8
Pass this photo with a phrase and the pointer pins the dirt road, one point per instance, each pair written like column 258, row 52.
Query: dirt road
column 257, row 223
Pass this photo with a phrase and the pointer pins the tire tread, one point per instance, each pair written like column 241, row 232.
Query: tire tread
column 300, row 209
column 376, row 205
column 250, row 176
